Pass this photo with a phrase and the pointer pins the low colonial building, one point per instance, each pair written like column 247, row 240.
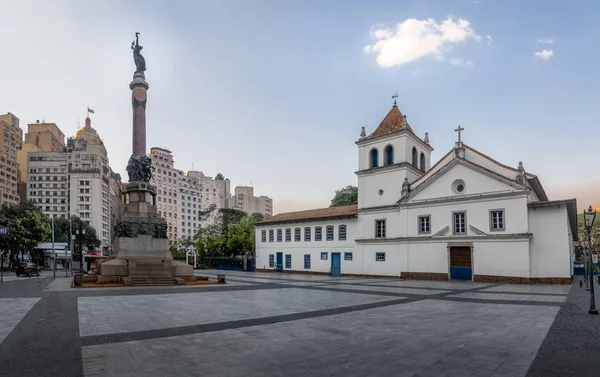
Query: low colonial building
column 467, row 217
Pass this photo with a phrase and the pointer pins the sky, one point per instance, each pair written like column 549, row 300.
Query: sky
column 274, row 93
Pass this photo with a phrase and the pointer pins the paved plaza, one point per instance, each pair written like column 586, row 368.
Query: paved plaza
column 267, row 324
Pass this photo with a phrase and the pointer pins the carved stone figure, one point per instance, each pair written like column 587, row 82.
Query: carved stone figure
column 134, row 229
column 139, row 168
column 140, row 62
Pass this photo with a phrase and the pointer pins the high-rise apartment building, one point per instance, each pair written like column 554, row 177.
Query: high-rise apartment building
column 215, row 192
column 166, row 179
column 190, row 196
column 47, row 183
column 74, row 182
column 40, row 137
column 46, row 136
column 247, row 202
column 11, row 140
column 115, row 204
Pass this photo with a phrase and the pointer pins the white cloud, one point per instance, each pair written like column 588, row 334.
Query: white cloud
column 547, row 41
column 544, row 54
column 489, row 39
column 414, row 39
column 461, row 62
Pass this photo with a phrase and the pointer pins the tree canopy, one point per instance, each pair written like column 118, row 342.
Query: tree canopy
column 62, row 232
column 345, row 196
column 26, row 227
column 223, row 233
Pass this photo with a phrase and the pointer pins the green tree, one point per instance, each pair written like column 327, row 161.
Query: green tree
column 240, row 237
column 345, row 196
column 26, row 228
column 62, row 233
column 257, row 217
column 583, row 237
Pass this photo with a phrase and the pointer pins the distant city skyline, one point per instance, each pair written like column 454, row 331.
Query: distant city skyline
column 275, row 93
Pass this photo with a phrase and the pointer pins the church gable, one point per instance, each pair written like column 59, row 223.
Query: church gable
column 461, row 178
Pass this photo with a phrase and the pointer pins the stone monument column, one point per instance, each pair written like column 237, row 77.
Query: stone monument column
column 142, row 253
column 139, row 88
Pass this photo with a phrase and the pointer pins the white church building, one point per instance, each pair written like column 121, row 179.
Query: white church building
column 467, row 217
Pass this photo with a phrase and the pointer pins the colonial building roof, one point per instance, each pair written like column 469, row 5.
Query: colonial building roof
column 313, row 214
column 393, row 122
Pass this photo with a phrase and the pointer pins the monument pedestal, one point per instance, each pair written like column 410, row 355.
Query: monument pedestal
column 142, row 248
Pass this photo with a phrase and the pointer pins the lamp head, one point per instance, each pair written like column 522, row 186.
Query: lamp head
column 589, row 216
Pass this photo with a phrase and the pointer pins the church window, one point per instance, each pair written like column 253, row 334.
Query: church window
column 329, row 233
column 288, row 235
column 307, row 234
column 263, row 236
column 342, row 233
column 279, row 235
column 271, row 260
column 347, row 256
column 460, row 226
column 380, row 257
column 318, row 233
column 458, row 186
column 297, row 234
column 307, row 261
column 415, row 157
column 424, row 224
column 379, row 228
column 389, row 155
column 324, row 256
column 422, row 165
column 288, row 259
column 374, row 158
column 271, row 235
column 497, row 219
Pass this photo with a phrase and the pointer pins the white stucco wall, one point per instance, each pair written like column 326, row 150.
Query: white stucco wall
column 390, row 181
column 475, row 183
column 552, row 243
column 299, row 249
column 501, row 258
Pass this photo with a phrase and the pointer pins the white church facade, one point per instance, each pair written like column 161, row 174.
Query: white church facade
column 468, row 217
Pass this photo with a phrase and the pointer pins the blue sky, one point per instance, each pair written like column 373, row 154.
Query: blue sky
column 275, row 92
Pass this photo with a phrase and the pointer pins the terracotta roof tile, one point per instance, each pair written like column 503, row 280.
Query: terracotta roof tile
column 390, row 124
column 313, row 214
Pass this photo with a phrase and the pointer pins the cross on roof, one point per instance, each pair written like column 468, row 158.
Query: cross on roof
column 394, row 97
column 459, row 129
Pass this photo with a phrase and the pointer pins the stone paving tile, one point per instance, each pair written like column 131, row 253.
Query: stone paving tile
column 424, row 338
column 9, row 276
column 508, row 296
column 118, row 314
column 12, row 311
column 401, row 290
column 516, row 288
column 450, row 285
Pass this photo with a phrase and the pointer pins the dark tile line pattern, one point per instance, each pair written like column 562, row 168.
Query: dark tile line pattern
column 447, row 296
column 26, row 350
column 220, row 326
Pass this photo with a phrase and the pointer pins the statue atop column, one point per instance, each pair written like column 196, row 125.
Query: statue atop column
column 140, row 62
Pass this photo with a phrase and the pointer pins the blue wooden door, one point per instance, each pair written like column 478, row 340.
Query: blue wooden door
column 336, row 269
column 460, row 263
column 279, row 262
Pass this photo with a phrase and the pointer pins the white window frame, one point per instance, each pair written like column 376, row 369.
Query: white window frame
column 380, row 230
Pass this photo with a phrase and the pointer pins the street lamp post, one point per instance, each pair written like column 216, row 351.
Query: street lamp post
column 80, row 233
column 589, row 217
